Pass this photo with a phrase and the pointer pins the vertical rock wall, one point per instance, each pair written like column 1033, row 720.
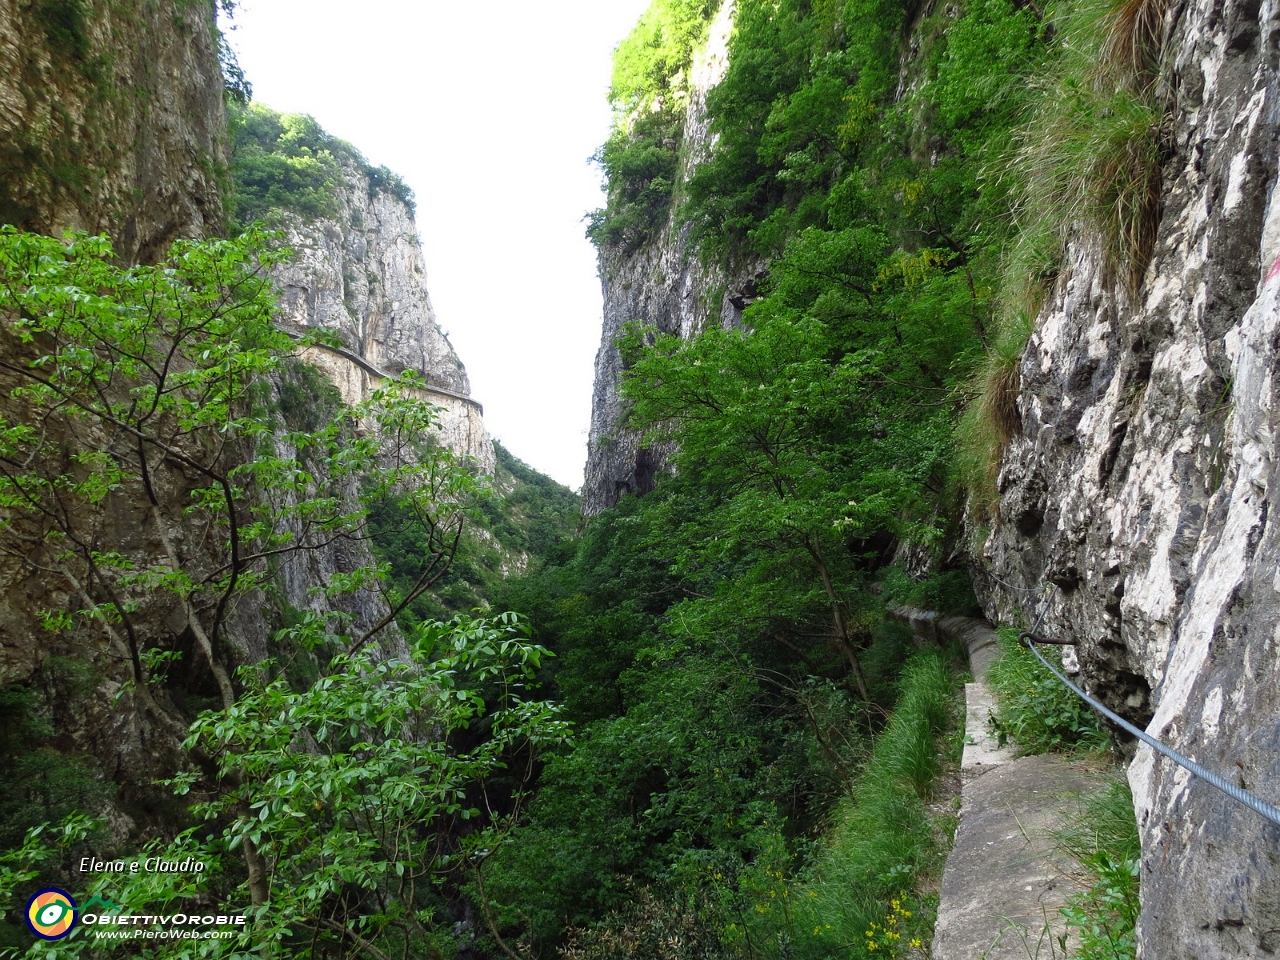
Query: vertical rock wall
column 359, row 274
column 1142, row 485
column 661, row 285
column 112, row 119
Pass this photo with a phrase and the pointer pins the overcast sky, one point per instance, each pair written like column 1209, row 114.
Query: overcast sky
column 490, row 112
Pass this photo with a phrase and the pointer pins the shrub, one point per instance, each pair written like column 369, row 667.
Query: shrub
column 1036, row 711
column 653, row 926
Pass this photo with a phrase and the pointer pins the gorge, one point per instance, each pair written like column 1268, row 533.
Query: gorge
column 961, row 306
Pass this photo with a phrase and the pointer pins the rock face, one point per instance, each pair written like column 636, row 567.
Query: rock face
column 1142, row 483
column 111, row 118
column 359, row 274
column 661, row 285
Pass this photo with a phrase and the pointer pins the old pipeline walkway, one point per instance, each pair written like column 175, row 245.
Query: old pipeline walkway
column 1004, row 883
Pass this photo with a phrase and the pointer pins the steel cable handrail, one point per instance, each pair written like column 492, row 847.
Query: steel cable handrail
column 1230, row 789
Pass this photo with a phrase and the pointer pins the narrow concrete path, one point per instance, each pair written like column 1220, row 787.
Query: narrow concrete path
column 1004, row 883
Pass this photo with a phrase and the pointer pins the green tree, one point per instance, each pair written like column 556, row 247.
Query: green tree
column 352, row 790
column 805, row 457
column 149, row 470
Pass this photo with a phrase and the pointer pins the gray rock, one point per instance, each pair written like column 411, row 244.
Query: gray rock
column 359, row 274
column 663, row 287
column 1147, row 457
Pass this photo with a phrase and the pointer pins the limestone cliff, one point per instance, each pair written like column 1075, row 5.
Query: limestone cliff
column 111, row 119
column 660, row 285
column 1142, row 483
column 358, row 273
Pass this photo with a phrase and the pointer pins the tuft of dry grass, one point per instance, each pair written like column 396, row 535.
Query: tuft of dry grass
column 1135, row 37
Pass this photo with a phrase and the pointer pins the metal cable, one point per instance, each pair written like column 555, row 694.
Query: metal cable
column 1007, row 585
column 1230, row 789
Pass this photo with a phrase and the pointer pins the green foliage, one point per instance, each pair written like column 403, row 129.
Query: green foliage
column 154, row 378
column 522, row 518
column 284, row 162
column 696, row 765
column 650, row 64
column 801, row 433
column 640, row 165
column 670, row 925
column 351, row 790
column 1092, row 149
column 163, row 359
column 803, row 91
column 172, row 379
column 883, row 840
column 641, row 158
column 1036, row 711
column 288, row 162
column 42, row 783
column 708, row 749
column 532, row 513
column 949, row 591
column 776, row 905
column 1104, row 838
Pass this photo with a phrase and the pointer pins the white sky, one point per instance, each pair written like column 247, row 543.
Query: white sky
column 489, row 111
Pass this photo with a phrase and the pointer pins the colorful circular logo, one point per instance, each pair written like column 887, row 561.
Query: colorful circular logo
column 51, row 913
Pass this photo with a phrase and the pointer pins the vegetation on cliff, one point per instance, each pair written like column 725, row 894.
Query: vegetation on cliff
column 890, row 164
column 158, row 488
column 648, row 94
column 288, row 162
column 755, row 746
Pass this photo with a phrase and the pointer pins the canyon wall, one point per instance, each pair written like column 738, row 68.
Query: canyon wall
column 358, row 274
column 112, row 119
column 1141, row 485
column 663, row 286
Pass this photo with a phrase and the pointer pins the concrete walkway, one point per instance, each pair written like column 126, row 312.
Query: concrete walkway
column 1004, row 883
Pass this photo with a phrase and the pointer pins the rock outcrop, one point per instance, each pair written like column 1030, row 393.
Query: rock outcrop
column 1142, row 482
column 112, row 119
column 663, row 286
column 358, row 273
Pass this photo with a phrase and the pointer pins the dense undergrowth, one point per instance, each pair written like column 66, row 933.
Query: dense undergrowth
column 913, row 202
column 1037, row 712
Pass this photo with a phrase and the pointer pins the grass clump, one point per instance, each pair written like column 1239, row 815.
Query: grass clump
column 1104, row 838
column 1036, row 711
column 992, row 419
column 1091, row 153
column 884, row 841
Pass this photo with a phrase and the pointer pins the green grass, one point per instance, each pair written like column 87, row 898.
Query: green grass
column 864, row 877
column 883, row 839
column 1090, row 152
column 1035, row 710
column 1104, row 838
